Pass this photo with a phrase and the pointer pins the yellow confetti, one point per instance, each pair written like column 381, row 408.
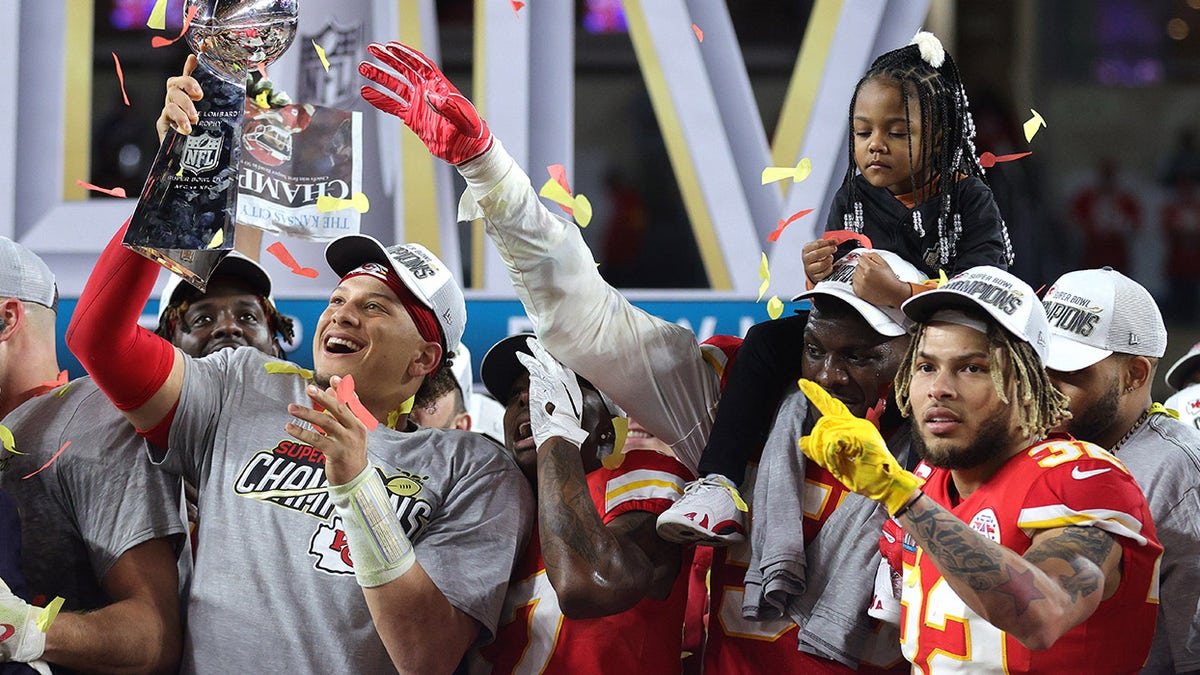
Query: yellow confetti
column 407, row 406
column 321, row 55
column 621, row 429
column 774, row 307
column 218, row 239
column 580, row 206
column 10, row 444
column 737, row 498
column 49, row 614
column 284, row 368
column 158, row 16
column 765, row 274
column 180, row 171
column 358, row 202
column 261, row 100
column 62, row 391
column 554, row 192
column 583, row 210
column 798, row 173
column 1033, row 124
column 392, row 418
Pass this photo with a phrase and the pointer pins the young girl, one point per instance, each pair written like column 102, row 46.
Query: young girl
column 914, row 187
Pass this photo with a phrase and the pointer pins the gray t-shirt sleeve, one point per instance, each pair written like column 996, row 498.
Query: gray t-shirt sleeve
column 201, row 400
column 471, row 551
column 1179, row 614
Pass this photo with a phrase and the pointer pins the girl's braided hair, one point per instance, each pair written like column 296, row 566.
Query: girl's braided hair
column 923, row 68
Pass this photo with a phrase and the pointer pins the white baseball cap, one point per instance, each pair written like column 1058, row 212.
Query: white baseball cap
column 1006, row 299
column 25, row 276
column 418, row 269
column 1187, row 403
column 1177, row 376
column 1094, row 313
column 889, row 321
column 463, row 373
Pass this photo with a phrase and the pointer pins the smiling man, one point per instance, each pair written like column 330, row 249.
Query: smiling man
column 327, row 544
column 1041, row 549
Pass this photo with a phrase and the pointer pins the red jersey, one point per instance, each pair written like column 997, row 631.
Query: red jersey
column 740, row 645
column 1053, row 484
column 535, row 637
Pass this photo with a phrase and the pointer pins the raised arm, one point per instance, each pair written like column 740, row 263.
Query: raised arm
column 596, row 569
column 580, row 318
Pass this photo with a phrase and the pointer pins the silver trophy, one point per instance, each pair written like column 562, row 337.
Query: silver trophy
column 187, row 209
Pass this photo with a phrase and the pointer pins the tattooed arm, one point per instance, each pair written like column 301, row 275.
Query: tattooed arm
column 1037, row 598
column 596, row 569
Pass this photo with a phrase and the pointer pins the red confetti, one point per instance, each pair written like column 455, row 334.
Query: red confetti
column 115, row 192
column 699, row 33
column 120, row 78
column 559, row 173
column 345, row 394
column 48, row 386
column 516, row 5
column 262, row 69
column 987, row 160
column 774, row 236
column 48, row 462
column 157, row 41
column 285, row 256
column 842, row 236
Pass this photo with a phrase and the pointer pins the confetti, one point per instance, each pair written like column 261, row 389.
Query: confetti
column 774, row 307
column 43, row 468
column 62, row 391
column 613, row 460
column 10, row 444
column 580, row 207
column 843, row 236
column 51, row 385
column 120, row 77
column 772, row 174
column 50, row 612
column 261, row 99
column 218, row 239
column 407, row 406
column 774, row 236
column 285, row 256
column 285, row 368
column 392, row 419
column 987, row 160
column 764, row 273
column 699, row 33
column 516, row 5
column 158, row 16
column 559, row 173
column 321, row 55
column 1033, row 124
column 359, row 201
column 116, row 192
column 346, row 395
column 157, row 42
column 262, row 69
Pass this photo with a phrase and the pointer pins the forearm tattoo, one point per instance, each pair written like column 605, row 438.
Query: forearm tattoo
column 566, row 513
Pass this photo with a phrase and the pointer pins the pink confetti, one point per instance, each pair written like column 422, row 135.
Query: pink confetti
column 120, row 78
column 55, row 384
column 157, row 41
column 262, row 69
column 774, row 236
column 559, row 173
column 115, row 192
column 345, row 394
column 48, row 462
column 285, row 256
column 699, row 33
column 987, row 160
column 516, row 5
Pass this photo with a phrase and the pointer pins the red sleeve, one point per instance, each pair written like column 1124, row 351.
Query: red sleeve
column 645, row 481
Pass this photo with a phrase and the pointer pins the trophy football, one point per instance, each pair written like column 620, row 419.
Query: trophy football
column 185, row 215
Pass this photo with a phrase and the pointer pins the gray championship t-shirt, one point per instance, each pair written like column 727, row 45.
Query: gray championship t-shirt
column 273, row 587
column 98, row 499
column 1164, row 457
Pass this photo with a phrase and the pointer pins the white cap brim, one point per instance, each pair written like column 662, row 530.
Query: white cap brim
column 1177, row 375
column 875, row 317
column 1067, row 356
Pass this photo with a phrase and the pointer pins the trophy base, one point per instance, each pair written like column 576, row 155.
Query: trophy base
column 195, row 267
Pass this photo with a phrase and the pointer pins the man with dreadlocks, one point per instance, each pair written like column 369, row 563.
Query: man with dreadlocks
column 1023, row 553
column 912, row 164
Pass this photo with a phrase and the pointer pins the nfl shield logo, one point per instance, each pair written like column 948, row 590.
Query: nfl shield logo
column 202, row 152
column 343, row 49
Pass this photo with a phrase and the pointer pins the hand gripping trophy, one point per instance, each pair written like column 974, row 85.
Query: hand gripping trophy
column 186, row 212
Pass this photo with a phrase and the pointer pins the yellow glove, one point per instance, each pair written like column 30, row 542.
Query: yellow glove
column 852, row 450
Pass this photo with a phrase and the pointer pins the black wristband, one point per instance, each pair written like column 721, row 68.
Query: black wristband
column 904, row 509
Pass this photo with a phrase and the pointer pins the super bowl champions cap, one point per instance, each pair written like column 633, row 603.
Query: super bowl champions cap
column 1177, row 376
column 1006, row 299
column 420, row 271
column 1094, row 313
column 24, row 276
column 889, row 321
column 232, row 265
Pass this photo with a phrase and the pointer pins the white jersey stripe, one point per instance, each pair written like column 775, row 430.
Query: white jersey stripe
column 1059, row 515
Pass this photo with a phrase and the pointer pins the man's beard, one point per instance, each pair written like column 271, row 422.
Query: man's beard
column 1090, row 424
column 992, row 440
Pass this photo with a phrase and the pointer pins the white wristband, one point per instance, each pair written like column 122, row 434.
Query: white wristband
column 378, row 546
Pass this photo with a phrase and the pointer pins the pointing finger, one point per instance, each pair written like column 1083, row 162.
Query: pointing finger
column 828, row 405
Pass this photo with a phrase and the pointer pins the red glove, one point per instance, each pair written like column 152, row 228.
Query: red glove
column 432, row 107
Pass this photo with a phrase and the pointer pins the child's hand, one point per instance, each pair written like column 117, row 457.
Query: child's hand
column 818, row 258
column 875, row 282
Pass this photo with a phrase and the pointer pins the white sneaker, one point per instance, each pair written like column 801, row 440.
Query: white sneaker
column 707, row 513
